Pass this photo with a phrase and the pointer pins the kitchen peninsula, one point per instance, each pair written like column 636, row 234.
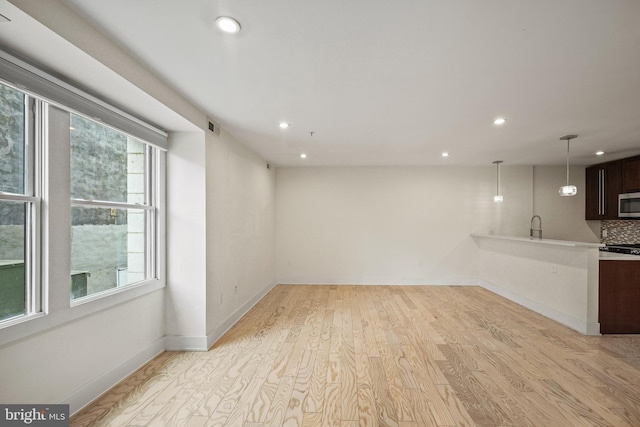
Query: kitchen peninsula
column 556, row 278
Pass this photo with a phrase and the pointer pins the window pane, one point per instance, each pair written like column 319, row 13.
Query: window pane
column 105, row 164
column 107, row 249
column 12, row 250
column 12, row 145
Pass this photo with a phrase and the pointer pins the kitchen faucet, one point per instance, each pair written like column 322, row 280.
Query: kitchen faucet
column 539, row 230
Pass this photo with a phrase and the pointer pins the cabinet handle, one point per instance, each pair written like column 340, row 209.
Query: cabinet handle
column 601, row 192
column 604, row 198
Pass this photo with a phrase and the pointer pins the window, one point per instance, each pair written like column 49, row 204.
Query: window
column 112, row 209
column 82, row 187
column 19, row 206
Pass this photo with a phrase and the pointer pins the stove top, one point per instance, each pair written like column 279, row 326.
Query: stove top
column 631, row 249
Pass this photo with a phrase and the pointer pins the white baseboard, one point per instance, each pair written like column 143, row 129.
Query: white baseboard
column 215, row 334
column 96, row 388
column 184, row 343
column 570, row 321
column 385, row 282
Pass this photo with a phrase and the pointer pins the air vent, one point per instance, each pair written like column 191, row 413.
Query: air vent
column 214, row 128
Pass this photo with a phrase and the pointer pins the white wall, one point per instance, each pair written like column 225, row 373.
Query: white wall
column 395, row 225
column 409, row 225
column 186, row 241
column 563, row 217
column 240, row 231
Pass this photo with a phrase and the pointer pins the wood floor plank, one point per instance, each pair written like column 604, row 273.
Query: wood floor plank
column 348, row 383
column 455, row 406
column 331, row 409
column 367, row 408
column 242, row 410
column 315, row 397
column 312, row 419
column 407, row 356
column 384, row 404
column 278, row 407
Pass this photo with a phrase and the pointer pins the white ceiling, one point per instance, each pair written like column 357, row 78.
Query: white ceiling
column 397, row 83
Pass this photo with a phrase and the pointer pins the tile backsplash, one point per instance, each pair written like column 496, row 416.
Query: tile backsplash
column 620, row 232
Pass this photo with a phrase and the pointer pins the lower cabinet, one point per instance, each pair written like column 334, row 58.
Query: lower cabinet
column 619, row 297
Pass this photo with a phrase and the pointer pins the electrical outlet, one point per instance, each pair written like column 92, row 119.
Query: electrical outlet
column 235, row 290
column 554, row 268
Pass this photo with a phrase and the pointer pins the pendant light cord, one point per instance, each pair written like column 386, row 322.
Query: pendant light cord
column 568, row 161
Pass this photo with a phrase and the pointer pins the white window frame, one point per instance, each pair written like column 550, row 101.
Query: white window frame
column 32, row 200
column 153, row 207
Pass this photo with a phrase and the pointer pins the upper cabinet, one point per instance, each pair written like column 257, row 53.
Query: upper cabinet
column 602, row 189
column 630, row 168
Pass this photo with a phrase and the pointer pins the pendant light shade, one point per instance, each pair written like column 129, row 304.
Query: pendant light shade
column 498, row 197
column 568, row 190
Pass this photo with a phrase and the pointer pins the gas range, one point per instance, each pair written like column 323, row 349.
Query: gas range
column 631, row 249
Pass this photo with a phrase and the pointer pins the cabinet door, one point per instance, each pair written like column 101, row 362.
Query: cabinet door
column 593, row 209
column 631, row 174
column 619, row 297
column 602, row 188
column 611, row 189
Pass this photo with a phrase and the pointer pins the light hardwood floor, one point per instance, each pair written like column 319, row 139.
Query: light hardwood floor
column 388, row 356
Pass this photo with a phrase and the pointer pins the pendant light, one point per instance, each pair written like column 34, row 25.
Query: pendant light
column 498, row 197
column 568, row 190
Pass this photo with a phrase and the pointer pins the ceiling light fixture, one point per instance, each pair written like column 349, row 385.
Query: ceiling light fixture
column 498, row 197
column 284, row 125
column 445, row 154
column 228, row 24
column 303, row 156
column 599, row 153
column 499, row 121
column 568, row 190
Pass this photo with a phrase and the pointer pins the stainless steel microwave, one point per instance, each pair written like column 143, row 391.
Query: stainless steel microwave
column 629, row 205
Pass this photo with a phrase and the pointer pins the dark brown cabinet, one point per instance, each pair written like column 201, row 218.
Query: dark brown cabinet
column 630, row 169
column 619, row 297
column 602, row 189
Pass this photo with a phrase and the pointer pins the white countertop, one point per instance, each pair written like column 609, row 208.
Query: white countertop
column 612, row 256
column 551, row 242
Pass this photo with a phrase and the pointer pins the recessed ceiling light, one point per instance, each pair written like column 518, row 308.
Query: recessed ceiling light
column 228, row 25
column 499, row 121
column 445, row 154
column 599, row 153
column 283, row 125
column 303, row 156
